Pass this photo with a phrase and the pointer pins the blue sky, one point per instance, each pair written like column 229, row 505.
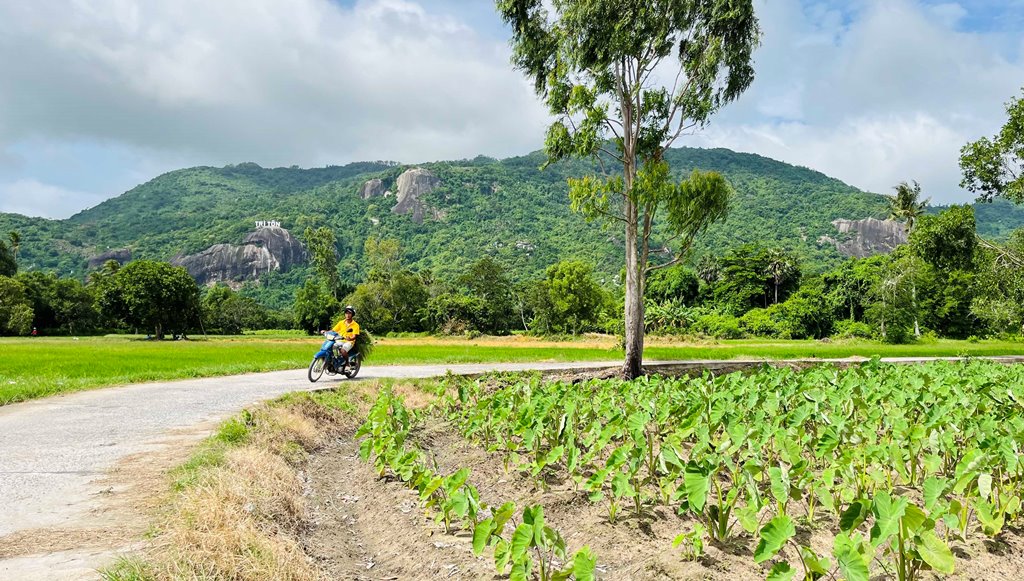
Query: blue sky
column 96, row 97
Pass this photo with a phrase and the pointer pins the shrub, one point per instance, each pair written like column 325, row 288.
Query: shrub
column 847, row 329
column 720, row 325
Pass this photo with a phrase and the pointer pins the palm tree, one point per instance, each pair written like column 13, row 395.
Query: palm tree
column 905, row 206
column 15, row 243
column 781, row 267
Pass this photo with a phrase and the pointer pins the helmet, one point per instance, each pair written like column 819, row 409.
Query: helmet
column 350, row 309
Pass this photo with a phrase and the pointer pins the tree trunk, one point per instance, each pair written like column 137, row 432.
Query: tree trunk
column 631, row 369
column 913, row 295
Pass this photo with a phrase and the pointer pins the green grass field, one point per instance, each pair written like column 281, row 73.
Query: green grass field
column 41, row 366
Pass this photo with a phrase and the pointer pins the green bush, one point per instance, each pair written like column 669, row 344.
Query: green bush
column 720, row 325
column 762, row 323
column 849, row 329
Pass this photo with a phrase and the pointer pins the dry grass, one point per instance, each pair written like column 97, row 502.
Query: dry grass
column 242, row 505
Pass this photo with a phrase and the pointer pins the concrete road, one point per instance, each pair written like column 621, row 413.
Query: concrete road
column 77, row 472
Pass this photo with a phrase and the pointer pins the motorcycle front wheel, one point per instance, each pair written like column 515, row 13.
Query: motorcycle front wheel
column 316, row 369
column 353, row 367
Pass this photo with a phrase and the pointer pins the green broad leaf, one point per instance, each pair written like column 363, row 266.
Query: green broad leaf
column 774, row 535
column 554, row 455
column 780, row 483
column 854, row 515
column 522, row 538
column 481, row 535
column 852, row 565
column 583, row 564
column 572, row 458
column 365, row 447
column 935, row 552
column 888, row 512
column 501, row 516
column 813, row 562
column 991, row 522
column 620, row 485
column 985, row 485
column 459, row 503
column 696, row 482
column 502, row 555
column 914, row 519
column 596, row 480
column 669, row 459
column 781, row 571
column 520, row 570
column 934, row 488
column 747, row 516
column 456, row 480
column 431, row 487
column 636, row 424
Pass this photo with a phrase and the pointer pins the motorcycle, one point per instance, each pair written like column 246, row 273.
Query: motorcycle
column 330, row 359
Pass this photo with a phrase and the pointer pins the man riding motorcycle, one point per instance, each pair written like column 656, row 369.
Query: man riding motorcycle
column 348, row 328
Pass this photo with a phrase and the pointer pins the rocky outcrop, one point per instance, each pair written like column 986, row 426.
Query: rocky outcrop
column 371, row 189
column 121, row 255
column 262, row 251
column 412, row 186
column 867, row 237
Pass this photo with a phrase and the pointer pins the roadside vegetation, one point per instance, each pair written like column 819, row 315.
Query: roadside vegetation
column 236, row 506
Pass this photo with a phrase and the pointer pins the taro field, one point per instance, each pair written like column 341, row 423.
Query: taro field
column 865, row 473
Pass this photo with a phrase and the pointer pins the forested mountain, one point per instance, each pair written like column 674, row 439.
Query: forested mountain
column 508, row 209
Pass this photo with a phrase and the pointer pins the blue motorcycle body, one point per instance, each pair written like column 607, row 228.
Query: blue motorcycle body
column 329, row 359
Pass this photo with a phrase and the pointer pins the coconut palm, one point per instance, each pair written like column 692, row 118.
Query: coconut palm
column 906, row 206
column 781, row 266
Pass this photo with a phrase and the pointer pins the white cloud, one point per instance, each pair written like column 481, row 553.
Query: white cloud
column 34, row 198
column 307, row 81
column 885, row 93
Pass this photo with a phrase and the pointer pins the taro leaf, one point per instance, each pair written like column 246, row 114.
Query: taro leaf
column 696, row 482
column 364, row 449
column 914, row 519
column 481, row 534
column 669, row 459
column 621, row 486
column 814, row 563
column 780, row 483
column 851, row 563
column 933, row 490
column 781, row 572
column 854, row 515
column 572, row 458
column 502, row 555
column 460, row 503
column 985, row 485
column 502, row 515
column 747, row 515
column 637, row 424
column 456, row 480
column 583, row 565
column 773, row 536
column 431, row 487
column 991, row 521
column 520, row 570
column 521, row 540
column 935, row 552
column 888, row 513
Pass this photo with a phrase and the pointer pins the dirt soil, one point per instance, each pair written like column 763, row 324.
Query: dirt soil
column 365, row 528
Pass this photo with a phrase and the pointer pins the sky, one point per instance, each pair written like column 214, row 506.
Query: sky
column 97, row 96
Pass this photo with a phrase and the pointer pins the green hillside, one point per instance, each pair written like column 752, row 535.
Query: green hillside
column 508, row 209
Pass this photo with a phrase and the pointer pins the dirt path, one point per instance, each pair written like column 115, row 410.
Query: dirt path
column 78, row 472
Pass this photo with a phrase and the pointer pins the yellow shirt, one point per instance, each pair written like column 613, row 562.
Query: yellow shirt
column 347, row 330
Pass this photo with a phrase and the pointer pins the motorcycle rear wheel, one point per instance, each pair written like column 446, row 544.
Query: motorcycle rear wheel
column 316, row 369
column 353, row 367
